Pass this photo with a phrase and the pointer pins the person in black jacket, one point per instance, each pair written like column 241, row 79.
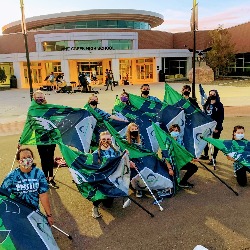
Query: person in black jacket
column 186, row 90
column 214, row 108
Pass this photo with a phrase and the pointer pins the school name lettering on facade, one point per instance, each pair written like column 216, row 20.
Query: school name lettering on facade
column 87, row 48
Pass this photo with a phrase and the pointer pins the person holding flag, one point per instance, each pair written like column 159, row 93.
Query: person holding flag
column 190, row 167
column 28, row 183
column 186, row 90
column 215, row 109
column 105, row 151
column 145, row 93
column 239, row 169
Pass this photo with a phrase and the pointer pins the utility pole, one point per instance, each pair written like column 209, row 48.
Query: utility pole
column 194, row 26
column 24, row 31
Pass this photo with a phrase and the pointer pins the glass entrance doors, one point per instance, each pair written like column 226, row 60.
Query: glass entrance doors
column 36, row 73
column 89, row 67
column 144, row 69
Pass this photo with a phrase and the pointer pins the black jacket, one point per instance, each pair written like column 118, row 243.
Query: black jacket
column 217, row 113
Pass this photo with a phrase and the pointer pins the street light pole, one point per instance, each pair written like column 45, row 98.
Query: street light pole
column 194, row 47
column 24, row 31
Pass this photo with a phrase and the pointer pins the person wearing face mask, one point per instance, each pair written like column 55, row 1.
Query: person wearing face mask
column 190, row 167
column 46, row 152
column 145, row 93
column 105, row 150
column 124, row 97
column 133, row 137
column 186, row 90
column 28, row 183
column 93, row 102
column 239, row 170
column 215, row 109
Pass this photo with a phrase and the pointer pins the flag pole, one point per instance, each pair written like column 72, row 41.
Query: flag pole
column 194, row 48
column 24, row 31
column 219, row 178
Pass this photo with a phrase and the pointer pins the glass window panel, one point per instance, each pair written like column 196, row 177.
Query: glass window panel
column 113, row 24
column 92, row 24
column 88, row 43
column 54, row 45
column 59, row 26
column 120, row 44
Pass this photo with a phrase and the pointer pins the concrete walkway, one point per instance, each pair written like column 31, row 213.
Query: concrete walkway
column 14, row 103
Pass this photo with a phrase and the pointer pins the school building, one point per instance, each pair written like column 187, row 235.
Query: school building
column 96, row 40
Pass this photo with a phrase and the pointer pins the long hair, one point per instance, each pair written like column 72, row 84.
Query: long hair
column 208, row 102
column 100, row 144
column 128, row 136
column 235, row 129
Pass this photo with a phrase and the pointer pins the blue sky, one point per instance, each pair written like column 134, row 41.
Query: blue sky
column 176, row 13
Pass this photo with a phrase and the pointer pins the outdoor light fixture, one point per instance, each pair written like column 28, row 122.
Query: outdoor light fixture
column 24, row 31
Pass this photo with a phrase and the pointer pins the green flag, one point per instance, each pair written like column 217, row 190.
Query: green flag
column 174, row 152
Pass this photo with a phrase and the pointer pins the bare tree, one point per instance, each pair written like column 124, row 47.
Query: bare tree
column 222, row 55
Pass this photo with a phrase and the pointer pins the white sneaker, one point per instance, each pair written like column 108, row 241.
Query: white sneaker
column 126, row 203
column 95, row 213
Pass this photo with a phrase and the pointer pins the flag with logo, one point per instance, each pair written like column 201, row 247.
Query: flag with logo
column 142, row 112
column 22, row 228
column 120, row 126
column 50, row 124
column 197, row 123
column 239, row 150
column 96, row 180
column 203, row 95
column 152, row 169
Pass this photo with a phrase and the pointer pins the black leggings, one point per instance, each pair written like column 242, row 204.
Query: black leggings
column 191, row 169
column 241, row 176
column 216, row 150
column 46, row 153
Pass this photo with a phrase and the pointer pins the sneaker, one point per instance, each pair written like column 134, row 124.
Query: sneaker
column 211, row 162
column 164, row 192
column 204, row 157
column 186, row 185
column 95, row 213
column 126, row 203
column 53, row 184
column 138, row 193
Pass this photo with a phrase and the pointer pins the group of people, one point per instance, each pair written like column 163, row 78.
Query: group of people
column 30, row 183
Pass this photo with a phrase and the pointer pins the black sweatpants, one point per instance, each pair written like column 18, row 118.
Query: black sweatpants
column 46, row 153
column 241, row 176
column 191, row 169
column 216, row 150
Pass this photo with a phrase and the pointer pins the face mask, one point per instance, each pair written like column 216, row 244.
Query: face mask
column 134, row 133
column 26, row 163
column 212, row 97
column 174, row 134
column 187, row 93
column 39, row 100
column 124, row 98
column 93, row 103
column 239, row 136
column 145, row 92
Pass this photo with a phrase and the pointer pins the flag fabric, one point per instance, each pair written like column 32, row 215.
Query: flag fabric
column 50, row 124
column 21, row 227
column 142, row 111
column 120, row 126
column 94, row 180
column 203, row 95
column 197, row 123
column 174, row 153
column 239, row 150
column 152, row 169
